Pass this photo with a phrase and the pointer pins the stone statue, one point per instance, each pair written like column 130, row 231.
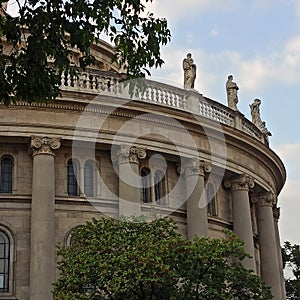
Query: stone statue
column 231, row 89
column 255, row 113
column 256, row 120
column 189, row 69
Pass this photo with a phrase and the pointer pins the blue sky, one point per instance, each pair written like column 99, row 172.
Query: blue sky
column 258, row 41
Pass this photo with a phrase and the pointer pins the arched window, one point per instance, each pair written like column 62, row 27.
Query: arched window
column 145, row 185
column 73, row 173
column 159, row 186
column 89, row 179
column 211, row 198
column 6, row 175
column 4, row 262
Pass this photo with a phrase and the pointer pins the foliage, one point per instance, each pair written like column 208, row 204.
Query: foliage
column 116, row 260
column 291, row 260
column 48, row 30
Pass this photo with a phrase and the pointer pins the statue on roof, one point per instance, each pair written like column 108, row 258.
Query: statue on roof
column 189, row 69
column 256, row 120
column 255, row 113
column 232, row 97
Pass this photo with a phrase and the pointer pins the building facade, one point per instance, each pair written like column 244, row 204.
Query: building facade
column 102, row 151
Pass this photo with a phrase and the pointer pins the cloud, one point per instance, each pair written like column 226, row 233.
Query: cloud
column 290, row 207
column 175, row 10
column 289, row 153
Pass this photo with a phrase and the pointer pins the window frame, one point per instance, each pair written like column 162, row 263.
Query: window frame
column 212, row 208
column 6, row 178
column 73, row 187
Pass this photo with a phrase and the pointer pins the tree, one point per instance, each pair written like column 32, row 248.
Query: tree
column 291, row 261
column 47, row 31
column 109, row 259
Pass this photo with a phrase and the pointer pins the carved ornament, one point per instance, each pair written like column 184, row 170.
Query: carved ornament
column 130, row 154
column 194, row 166
column 266, row 199
column 44, row 145
column 276, row 213
column 240, row 182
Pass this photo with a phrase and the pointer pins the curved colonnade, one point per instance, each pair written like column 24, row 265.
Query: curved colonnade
column 189, row 139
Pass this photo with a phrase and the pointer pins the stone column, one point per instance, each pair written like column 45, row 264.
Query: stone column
column 129, row 180
column 42, row 251
column 242, row 224
column 267, row 243
column 276, row 215
column 197, row 224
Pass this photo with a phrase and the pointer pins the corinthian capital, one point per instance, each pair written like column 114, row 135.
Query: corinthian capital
column 130, row 154
column 44, row 145
column 195, row 166
column 240, row 182
column 266, row 199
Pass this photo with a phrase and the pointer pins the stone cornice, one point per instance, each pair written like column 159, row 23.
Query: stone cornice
column 240, row 182
column 266, row 199
column 44, row 145
column 130, row 154
column 194, row 166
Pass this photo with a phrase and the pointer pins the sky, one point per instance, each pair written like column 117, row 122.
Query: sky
column 258, row 42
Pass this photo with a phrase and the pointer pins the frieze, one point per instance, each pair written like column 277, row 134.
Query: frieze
column 44, row 145
column 240, row 182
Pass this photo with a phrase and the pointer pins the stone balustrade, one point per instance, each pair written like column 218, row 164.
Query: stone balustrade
column 100, row 82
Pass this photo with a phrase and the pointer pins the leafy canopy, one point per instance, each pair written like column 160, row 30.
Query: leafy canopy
column 291, row 261
column 46, row 31
column 116, row 260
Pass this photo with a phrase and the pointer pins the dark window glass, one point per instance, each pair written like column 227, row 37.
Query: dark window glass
column 211, row 197
column 145, row 185
column 6, row 175
column 4, row 262
column 72, row 180
column 89, row 179
column 159, row 187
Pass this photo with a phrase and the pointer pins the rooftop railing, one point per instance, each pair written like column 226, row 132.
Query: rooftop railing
column 107, row 83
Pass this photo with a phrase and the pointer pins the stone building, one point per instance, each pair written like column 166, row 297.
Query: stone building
column 99, row 151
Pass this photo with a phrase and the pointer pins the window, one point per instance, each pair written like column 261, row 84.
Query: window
column 6, row 175
column 159, row 187
column 89, row 179
column 73, row 171
column 211, row 198
column 4, row 262
column 145, row 185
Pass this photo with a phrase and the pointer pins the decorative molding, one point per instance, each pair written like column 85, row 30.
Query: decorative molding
column 130, row 154
column 44, row 145
column 240, row 182
column 266, row 199
column 194, row 166
column 276, row 213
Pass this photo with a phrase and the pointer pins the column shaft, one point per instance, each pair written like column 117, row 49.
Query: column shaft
column 242, row 223
column 129, row 180
column 268, row 246
column 42, row 252
column 197, row 224
column 196, row 216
